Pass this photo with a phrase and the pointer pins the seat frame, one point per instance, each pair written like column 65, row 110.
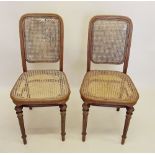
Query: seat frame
column 86, row 105
column 42, row 103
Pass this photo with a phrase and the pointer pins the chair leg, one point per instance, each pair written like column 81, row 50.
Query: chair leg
column 117, row 109
column 127, row 122
column 19, row 113
column 85, row 118
column 30, row 108
column 63, row 119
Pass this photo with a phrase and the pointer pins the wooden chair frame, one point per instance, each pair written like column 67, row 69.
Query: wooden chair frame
column 42, row 103
column 87, row 103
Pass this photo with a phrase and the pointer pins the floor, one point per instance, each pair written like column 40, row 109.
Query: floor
column 105, row 127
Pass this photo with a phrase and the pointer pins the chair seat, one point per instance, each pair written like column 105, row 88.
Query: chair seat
column 108, row 87
column 39, row 86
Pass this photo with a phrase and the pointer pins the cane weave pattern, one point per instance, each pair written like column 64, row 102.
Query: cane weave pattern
column 36, row 85
column 42, row 39
column 108, row 41
column 108, row 86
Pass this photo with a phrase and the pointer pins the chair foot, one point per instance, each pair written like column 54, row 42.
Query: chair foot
column 24, row 141
column 117, row 109
column 30, row 108
column 85, row 119
column 19, row 113
column 123, row 141
column 83, row 138
column 127, row 122
column 63, row 119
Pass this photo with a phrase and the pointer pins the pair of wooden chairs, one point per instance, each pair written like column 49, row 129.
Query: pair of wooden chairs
column 41, row 39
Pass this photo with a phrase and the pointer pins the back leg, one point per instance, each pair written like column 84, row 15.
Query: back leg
column 117, row 109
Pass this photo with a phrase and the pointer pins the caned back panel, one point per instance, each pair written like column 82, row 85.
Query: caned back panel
column 109, row 39
column 42, row 38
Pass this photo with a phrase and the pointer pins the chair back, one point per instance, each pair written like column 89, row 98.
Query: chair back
column 109, row 40
column 41, row 38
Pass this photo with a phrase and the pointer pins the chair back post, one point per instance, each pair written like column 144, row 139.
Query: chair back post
column 127, row 41
column 61, row 43
column 129, row 35
column 21, row 34
column 60, row 30
column 89, row 44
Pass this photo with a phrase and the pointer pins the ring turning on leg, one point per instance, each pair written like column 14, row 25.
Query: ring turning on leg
column 19, row 113
column 85, row 118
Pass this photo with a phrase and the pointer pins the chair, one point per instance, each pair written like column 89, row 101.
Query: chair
column 41, row 39
column 109, row 40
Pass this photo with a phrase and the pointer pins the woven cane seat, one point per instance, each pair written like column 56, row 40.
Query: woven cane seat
column 108, row 87
column 41, row 85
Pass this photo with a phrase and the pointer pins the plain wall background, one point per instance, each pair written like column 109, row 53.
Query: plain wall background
column 76, row 16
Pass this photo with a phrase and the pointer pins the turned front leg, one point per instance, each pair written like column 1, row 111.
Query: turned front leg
column 19, row 113
column 63, row 119
column 85, row 118
column 127, row 122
